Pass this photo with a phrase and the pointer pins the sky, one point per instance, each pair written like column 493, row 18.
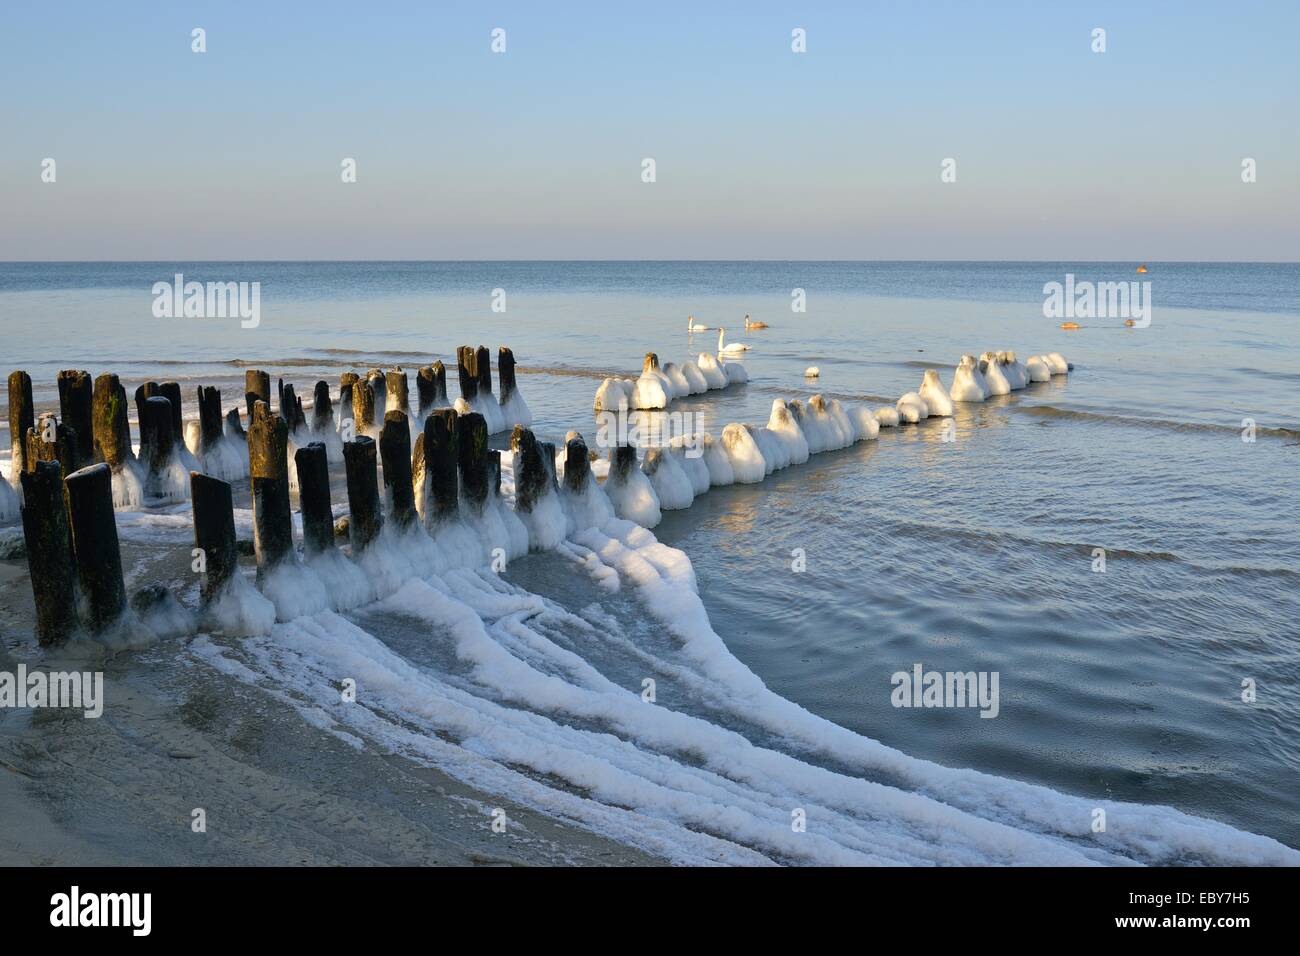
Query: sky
column 1060, row 152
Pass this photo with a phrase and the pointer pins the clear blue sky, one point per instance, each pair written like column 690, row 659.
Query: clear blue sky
column 761, row 153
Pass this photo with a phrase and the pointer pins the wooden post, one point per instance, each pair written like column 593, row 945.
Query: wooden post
column 322, row 412
column 483, row 367
column 365, row 519
column 233, row 425
column 346, row 381
column 424, row 390
column 471, row 457
column 94, row 536
column 505, row 373
column 76, row 400
column 547, row 450
column 314, row 499
column 257, row 388
column 467, row 370
column 577, row 464
column 172, row 392
column 622, row 460
column 111, row 428
column 395, row 450
column 22, row 416
column 143, row 393
column 214, row 533
column 439, row 384
column 49, row 552
column 268, row 466
column 51, row 440
column 363, row 406
column 530, row 473
column 440, row 458
column 398, row 391
column 209, row 419
column 156, row 433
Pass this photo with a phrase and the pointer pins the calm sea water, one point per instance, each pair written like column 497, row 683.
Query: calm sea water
column 970, row 555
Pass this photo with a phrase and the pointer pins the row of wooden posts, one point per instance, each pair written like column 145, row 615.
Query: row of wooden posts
column 68, row 515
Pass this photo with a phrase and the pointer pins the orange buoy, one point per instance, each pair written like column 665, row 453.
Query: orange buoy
column 1070, row 325
column 1142, row 268
column 1128, row 323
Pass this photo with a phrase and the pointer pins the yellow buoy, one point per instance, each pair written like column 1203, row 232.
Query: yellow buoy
column 1070, row 325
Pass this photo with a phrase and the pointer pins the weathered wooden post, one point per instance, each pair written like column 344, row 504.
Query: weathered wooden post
column 76, row 400
column 172, row 392
column 494, row 473
column 436, row 456
column 51, row 440
column 363, row 406
column 143, row 393
column 547, row 449
column 439, row 384
column 379, row 385
column 505, row 374
column 156, row 434
column 111, row 428
column 424, row 391
column 577, row 464
column 291, row 409
column 314, row 499
column 395, row 450
column 94, row 538
column 622, row 460
column 49, row 552
column 365, row 519
column 22, row 416
column 210, row 419
column 398, row 390
column 214, row 533
column 531, row 477
column 268, row 466
column 257, row 388
column 483, row 369
column 467, row 371
column 471, row 457
column 322, row 412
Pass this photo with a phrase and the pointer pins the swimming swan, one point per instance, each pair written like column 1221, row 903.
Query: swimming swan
column 693, row 326
column 750, row 324
column 735, row 348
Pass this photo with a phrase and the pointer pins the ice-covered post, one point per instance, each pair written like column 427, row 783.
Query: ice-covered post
column 651, row 363
column 379, row 385
column 436, row 449
column 94, row 537
column 322, row 412
column 268, row 467
column 172, row 392
column 257, row 388
column 398, row 391
column 547, row 449
column 505, row 374
column 143, row 393
column 156, row 433
column 22, row 416
column 466, row 369
column 577, row 464
column 346, row 381
column 483, row 368
column 365, row 518
column 622, row 459
column 471, row 457
column 233, row 425
column 49, row 552
column 214, row 533
column 112, row 431
column 531, row 477
column 395, row 450
column 76, row 398
column 363, row 406
column 314, row 499
column 209, row 418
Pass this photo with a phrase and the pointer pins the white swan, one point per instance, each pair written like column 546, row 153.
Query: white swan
column 937, row 401
column 734, row 348
column 693, row 326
